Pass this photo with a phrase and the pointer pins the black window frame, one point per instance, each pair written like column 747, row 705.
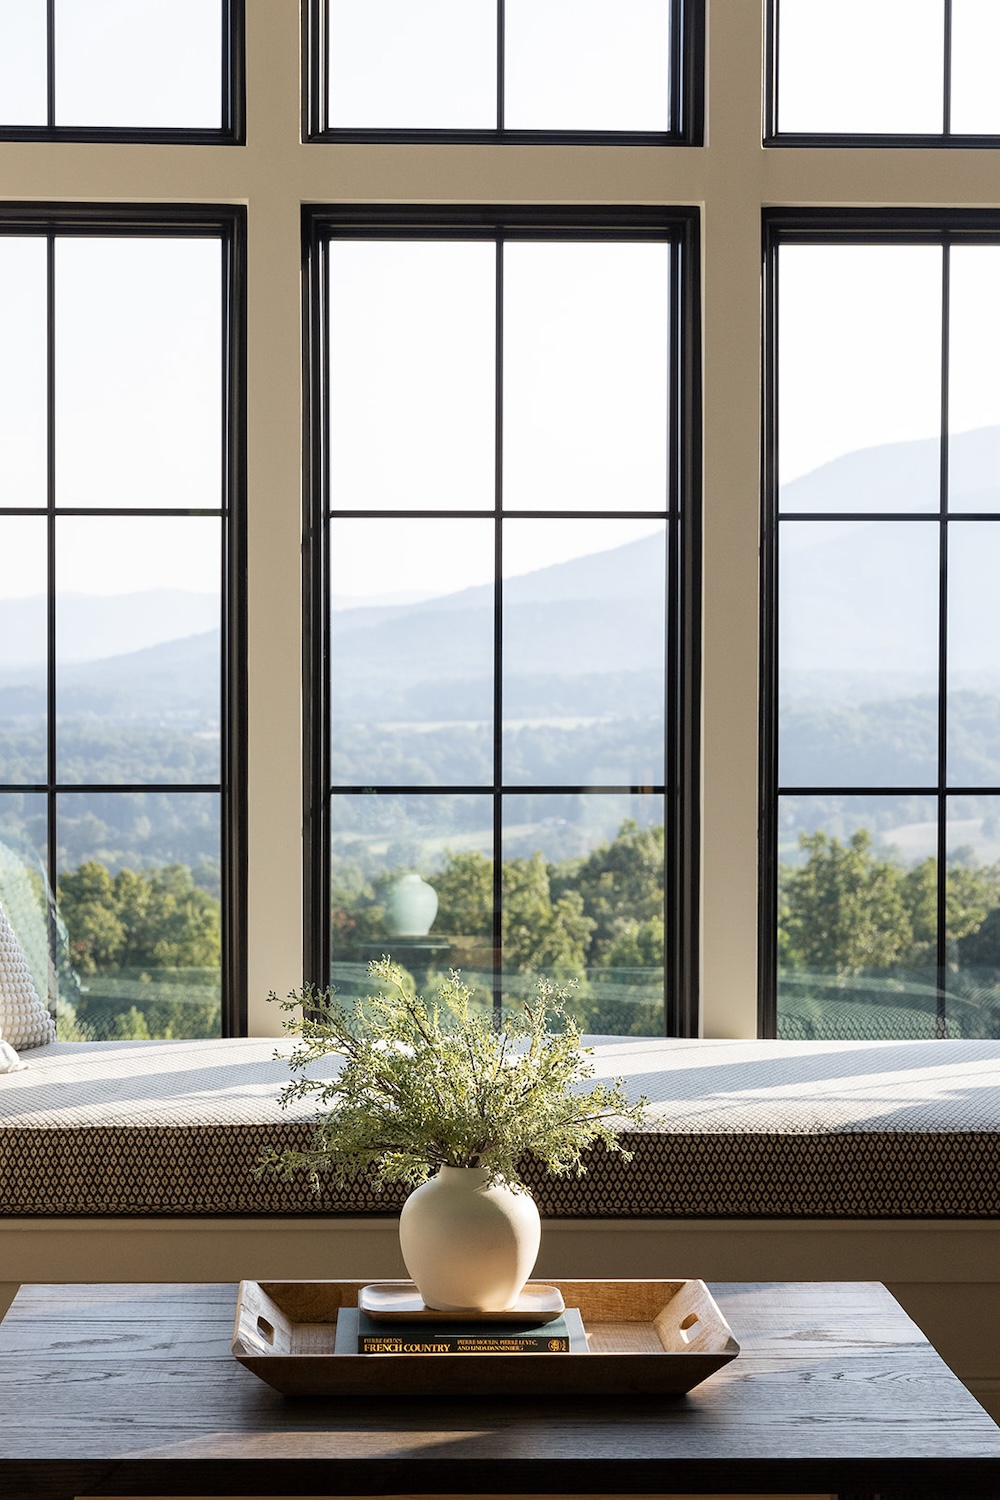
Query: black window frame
column 228, row 224
column 946, row 138
column 231, row 130
column 944, row 228
column 687, row 106
column 681, row 227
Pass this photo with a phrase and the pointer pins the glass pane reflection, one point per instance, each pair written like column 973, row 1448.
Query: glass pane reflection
column 974, row 379
column 972, row 984
column 138, row 328
column 975, row 45
column 139, row 891
column 138, row 645
column 973, row 669
column 23, row 94
column 859, row 355
column 857, row 904
column 412, row 64
column 583, row 904
column 863, row 67
column 586, row 376
column 25, row 893
column 583, row 654
column 152, row 65
column 412, row 877
column 411, row 675
column 858, row 643
column 23, row 346
column 412, row 380
column 587, row 64
column 23, row 650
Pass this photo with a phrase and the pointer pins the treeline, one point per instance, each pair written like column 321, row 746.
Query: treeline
column 857, row 944
column 857, row 939
column 595, row 920
column 142, row 954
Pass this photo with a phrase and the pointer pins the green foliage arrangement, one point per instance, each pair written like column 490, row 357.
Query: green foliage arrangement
column 424, row 1087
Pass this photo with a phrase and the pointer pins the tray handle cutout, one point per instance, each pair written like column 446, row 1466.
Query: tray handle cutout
column 689, row 1329
column 265, row 1329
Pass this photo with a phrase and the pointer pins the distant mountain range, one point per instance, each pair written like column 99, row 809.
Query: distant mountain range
column 92, row 626
column 584, row 639
column 904, row 476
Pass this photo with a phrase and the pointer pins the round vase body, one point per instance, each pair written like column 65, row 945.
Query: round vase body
column 467, row 1245
column 410, row 907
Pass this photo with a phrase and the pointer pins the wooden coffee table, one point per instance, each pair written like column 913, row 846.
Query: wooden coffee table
column 113, row 1390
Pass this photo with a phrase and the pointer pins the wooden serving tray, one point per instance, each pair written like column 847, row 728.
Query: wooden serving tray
column 646, row 1338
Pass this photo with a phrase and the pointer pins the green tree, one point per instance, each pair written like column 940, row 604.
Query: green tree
column 465, row 895
column 146, row 919
column 465, row 908
column 621, row 886
column 639, row 945
column 542, row 935
column 89, row 907
column 845, row 911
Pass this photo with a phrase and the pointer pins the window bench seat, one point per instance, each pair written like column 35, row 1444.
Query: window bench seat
column 737, row 1130
column 762, row 1161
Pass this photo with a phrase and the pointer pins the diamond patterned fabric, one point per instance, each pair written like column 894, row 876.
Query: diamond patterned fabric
column 736, row 1130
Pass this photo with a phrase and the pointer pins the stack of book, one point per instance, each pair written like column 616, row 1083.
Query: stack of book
column 359, row 1333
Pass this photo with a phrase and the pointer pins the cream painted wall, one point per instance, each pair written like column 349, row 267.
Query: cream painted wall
column 731, row 178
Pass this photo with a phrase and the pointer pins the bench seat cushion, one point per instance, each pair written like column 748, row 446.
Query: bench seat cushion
column 736, row 1130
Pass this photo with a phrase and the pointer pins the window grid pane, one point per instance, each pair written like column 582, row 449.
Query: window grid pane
column 476, row 69
column 887, row 708
column 170, row 70
column 913, row 71
column 111, row 717
column 543, row 838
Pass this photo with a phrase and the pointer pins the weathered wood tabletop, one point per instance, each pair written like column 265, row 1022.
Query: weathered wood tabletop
column 111, row 1390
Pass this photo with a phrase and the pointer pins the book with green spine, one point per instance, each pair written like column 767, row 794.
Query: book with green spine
column 357, row 1333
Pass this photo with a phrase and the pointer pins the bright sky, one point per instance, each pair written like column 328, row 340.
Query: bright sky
column 859, row 350
column 96, row 82
column 413, row 397
column 569, row 64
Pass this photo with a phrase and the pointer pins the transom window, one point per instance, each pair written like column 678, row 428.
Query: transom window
column 135, row 69
column 906, row 70
column 524, row 69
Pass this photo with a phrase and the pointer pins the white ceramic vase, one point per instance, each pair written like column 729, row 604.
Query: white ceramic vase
column 466, row 1244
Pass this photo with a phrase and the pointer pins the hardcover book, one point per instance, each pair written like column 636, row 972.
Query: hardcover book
column 359, row 1334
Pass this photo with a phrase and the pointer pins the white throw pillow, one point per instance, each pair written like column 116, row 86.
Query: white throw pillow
column 9, row 1060
column 24, row 1018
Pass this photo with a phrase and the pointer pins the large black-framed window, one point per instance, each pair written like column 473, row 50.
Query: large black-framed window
column 880, row 875
column 122, row 507
column 499, row 68
column 904, row 73
column 447, row 721
column 88, row 70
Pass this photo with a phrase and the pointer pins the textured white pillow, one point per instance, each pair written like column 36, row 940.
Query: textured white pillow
column 9, row 1060
column 24, row 1019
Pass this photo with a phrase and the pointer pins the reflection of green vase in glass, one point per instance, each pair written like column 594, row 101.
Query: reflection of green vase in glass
column 410, row 907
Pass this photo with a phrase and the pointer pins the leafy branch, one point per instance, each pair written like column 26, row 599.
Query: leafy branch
column 423, row 1087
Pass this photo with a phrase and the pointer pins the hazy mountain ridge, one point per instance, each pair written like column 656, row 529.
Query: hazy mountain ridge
column 91, row 627
column 855, row 630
